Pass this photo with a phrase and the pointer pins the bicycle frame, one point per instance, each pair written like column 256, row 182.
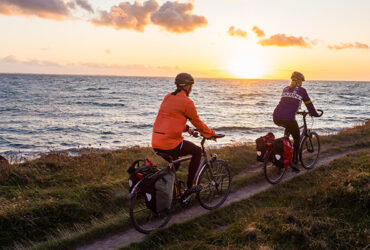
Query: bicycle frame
column 305, row 131
column 203, row 163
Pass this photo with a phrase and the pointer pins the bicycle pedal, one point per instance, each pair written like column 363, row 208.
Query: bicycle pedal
column 186, row 200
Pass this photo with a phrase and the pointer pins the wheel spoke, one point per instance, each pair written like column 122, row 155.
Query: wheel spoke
column 216, row 188
column 272, row 172
column 144, row 219
column 310, row 150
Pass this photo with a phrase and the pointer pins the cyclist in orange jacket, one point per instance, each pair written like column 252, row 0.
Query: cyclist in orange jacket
column 175, row 110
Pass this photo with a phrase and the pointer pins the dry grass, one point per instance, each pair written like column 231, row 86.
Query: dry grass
column 56, row 192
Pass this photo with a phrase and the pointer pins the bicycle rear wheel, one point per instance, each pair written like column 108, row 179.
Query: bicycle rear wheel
column 273, row 173
column 215, row 180
column 309, row 150
column 143, row 218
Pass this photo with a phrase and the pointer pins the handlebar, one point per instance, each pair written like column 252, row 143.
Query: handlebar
column 305, row 113
column 216, row 136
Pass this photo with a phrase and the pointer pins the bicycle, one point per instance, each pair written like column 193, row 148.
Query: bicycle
column 308, row 154
column 213, row 175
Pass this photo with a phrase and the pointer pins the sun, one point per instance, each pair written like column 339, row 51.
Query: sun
column 247, row 65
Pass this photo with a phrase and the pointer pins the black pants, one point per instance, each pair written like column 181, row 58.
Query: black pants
column 185, row 148
column 291, row 128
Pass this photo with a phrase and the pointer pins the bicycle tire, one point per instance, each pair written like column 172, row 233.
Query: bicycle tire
column 144, row 219
column 216, row 184
column 309, row 150
column 273, row 173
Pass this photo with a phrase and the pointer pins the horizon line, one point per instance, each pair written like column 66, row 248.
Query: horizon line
column 211, row 78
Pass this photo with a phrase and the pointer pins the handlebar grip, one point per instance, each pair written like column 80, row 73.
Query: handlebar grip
column 216, row 136
column 195, row 134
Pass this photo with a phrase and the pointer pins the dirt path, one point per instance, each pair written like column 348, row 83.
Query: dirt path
column 130, row 236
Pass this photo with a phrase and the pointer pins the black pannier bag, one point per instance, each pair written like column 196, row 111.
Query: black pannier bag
column 158, row 190
column 138, row 170
column 261, row 145
column 282, row 152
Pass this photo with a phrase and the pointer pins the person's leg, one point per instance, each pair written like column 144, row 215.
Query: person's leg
column 170, row 155
column 291, row 127
column 189, row 148
column 283, row 123
column 186, row 148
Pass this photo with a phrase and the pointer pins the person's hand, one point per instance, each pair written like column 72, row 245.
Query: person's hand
column 193, row 132
column 214, row 138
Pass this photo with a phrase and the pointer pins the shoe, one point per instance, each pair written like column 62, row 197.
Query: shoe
column 188, row 192
column 294, row 167
column 193, row 189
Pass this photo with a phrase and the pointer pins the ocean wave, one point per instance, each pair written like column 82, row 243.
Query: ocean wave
column 140, row 126
column 261, row 103
column 108, row 133
column 95, row 89
column 34, row 113
column 240, row 128
column 101, row 104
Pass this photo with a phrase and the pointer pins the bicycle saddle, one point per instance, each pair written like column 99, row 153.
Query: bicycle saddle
column 165, row 156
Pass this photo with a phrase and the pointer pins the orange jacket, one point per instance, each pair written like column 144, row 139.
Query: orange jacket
column 171, row 121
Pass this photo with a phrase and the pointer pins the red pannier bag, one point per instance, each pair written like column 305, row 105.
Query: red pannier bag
column 262, row 145
column 282, row 152
column 138, row 170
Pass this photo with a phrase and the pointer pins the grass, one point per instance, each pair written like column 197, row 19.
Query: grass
column 324, row 209
column 59, row 201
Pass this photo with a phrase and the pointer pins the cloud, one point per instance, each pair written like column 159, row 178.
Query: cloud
column 93, row 65
column 32, row 62
column 9, row 59
column 355, row 45
column 281, row 40
column 127, row 16
column 176, row 17
column 84, row 4
column 233, row 32
column 53, row 9
column 258, row 31
column 49, row 9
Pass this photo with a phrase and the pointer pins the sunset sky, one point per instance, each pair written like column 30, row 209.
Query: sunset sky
column 324, row 39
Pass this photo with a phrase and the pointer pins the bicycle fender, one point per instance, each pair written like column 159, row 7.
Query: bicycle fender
column 200, row 170
column 309, row 133
column 133, row 191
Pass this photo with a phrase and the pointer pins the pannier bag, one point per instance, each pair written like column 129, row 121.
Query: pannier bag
column 158, row 190
column 261, row 145
column 282, row 152
column 138, row 170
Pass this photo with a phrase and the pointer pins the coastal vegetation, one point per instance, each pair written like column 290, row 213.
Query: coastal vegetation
column 59, row 201
column 324, row 209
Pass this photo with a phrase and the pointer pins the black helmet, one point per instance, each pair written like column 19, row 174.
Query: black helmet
column 184, row 79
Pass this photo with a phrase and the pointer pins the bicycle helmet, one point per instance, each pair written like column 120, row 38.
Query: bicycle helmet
column 184, row 79
column 297, row 76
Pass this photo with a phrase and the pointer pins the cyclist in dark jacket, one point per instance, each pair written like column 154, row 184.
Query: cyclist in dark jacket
column 284, row 113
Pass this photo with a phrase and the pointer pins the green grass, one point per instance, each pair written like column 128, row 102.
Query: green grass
column 324, row 209
column 57, row 193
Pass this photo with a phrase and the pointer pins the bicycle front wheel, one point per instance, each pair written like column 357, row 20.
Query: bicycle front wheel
column 309, row 150
column 215, row 180
column 143, row 218
column 273, row 173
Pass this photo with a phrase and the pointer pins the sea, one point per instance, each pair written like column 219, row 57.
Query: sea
column 63, row 113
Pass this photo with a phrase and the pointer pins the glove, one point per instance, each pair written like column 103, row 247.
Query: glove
column 193, row 132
